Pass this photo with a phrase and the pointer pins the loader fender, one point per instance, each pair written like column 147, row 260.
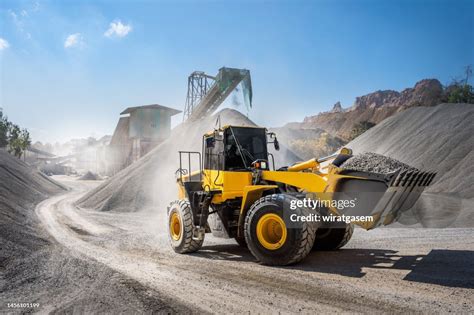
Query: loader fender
column 250, row 195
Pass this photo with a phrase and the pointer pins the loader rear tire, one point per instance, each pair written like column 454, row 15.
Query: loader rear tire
column 333, row 236
column 180, row 225
column 268, row 237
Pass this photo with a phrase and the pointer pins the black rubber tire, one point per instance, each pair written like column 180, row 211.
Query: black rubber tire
column 241, row 241
column 186, row 243
column 299, row 239
column 333, row 236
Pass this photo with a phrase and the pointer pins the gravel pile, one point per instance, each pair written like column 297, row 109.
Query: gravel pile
column 34, row 268
column 21, row 188
column 89, row 176
column 437, row 139
column 375, row 163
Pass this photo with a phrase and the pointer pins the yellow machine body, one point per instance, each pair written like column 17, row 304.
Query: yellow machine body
column 318, row 178
column 234, row 185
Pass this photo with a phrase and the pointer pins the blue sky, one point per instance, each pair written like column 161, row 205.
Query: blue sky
column 69, row 67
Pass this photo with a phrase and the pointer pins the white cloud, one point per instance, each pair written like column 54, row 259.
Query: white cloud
column 12, row 14
column 117, row 29
column 73, row 40
column 20, row 19
column 15, row 18
column 36, row 6
column 3, row 44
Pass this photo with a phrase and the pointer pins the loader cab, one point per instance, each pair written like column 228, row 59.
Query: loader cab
column 234, row 148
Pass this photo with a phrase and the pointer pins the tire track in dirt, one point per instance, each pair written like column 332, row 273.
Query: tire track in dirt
column 213, row 281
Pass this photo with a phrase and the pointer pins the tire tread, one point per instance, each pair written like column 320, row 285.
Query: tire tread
column 308, row 231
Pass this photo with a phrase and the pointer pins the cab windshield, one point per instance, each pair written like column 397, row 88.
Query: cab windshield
column 243, row 146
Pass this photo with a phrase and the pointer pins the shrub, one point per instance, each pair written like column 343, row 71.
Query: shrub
column 458, row 93
column 360, row 128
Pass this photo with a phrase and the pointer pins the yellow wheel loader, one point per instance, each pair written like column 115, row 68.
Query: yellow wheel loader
column 280, row 214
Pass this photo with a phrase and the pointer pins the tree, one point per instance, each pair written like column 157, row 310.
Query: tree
column 25, row 140
column 459, row 90
column 12, row 136
column 468, row 74
column 460, row 94
column 14, row 140
column 360, row 128
column 4, row 127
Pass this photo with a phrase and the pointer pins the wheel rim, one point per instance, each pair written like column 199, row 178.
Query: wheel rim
column 175, row 226
column 271, row 231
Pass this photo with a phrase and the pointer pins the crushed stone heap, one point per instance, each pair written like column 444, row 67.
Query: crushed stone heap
column 375, row 163
column 89, row 176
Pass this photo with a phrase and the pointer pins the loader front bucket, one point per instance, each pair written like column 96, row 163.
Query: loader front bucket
column 384, row 197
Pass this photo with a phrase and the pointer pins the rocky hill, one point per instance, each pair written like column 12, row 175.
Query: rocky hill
column 373, row 107
column 308, row 143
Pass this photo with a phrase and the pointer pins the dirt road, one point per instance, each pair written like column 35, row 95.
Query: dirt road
column 385, row 270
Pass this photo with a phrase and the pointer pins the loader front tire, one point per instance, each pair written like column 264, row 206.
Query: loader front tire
column 268, row 237
column 333, row 236
column 180, row 228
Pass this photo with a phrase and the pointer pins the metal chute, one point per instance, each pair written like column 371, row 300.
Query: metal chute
column 206, row 93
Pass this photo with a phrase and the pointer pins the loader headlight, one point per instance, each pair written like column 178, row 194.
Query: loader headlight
column 260, row 164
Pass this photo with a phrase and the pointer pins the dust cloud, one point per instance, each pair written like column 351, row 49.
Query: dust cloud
column 149, row 185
